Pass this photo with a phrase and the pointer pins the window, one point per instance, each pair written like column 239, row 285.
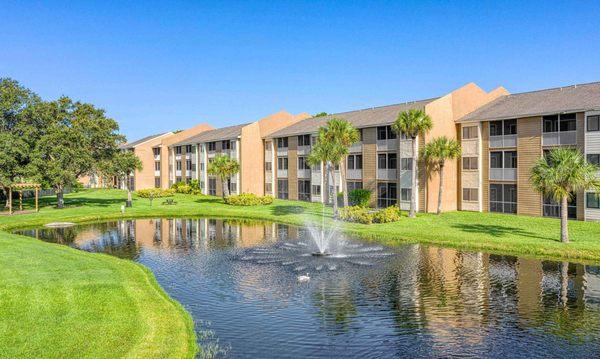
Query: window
column 303, row 163
column 316, row 190
column 469, row 132
column 355, row 162
column 178, row 165
column 268, row 166
column 232, row 187
column 406, row 164
column 156, row 151
column 387, row 194
column 500, row 159
column 470, row 163
column 282, row 189
column 157, row 166
column 304, row 190
column 552, row 208
column 212, row 186
column 177, row 150
column 593, row 123
column 282, row 163
column 593, row 200
column 188, row 149
column 177, row 179
column 385, row 133
column 282, row 142
column 503, row 127
column 156, row 182
column 470, row 195
column 387, row 161
column 405, row 194
column 594, row 159
column 269, row 187
column 212, row 146
column 201, row 166
column 188, row 165
column 225, row 145
column 563, row 123
column 304, row 140
column 503, row 198
column 352, row 185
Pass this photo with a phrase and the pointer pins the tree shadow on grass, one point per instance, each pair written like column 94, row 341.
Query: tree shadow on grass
column 498, row 231
column 287, row 209
column 209, row 200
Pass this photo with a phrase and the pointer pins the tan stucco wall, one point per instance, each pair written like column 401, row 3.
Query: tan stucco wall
column 529, row 151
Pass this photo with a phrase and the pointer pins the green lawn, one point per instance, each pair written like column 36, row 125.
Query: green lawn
column 60, row 302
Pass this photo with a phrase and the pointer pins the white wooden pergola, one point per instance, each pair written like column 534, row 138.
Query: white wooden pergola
column 20, row 187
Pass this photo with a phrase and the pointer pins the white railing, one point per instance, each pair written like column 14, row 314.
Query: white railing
column 354, row 174
column 559, row 138
column 303, row 173
column 303, row 150
column 282, row 173
column 387, row 174
column 503, row 141
column 357, row 147
column 387, row 145
column 503, row 174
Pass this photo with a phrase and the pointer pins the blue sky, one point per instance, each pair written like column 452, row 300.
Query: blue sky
column 160, row 66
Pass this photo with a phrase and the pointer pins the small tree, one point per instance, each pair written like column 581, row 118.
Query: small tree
column 560, row 174
column 328, row 153
column 121, row 166
column 413, row 123
column 344, row 135
column 224, row 167
column 436, row 153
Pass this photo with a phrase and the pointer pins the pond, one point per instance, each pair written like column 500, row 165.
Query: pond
column 242, row 281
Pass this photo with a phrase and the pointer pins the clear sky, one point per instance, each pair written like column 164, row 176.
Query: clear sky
column 160, row 66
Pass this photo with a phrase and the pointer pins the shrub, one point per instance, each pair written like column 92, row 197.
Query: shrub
column 248, row 199
column 360, row 197
column 356, row 214
column 387, row 215
column 192, row 187
column 155, row 193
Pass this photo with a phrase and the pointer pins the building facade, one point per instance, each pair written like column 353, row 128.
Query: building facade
column 503, row 140
column 380, row 162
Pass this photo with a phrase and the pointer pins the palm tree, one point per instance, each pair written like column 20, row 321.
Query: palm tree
column 223, row 167
column 328, row 153
column 561, row 173
column 413, row 123
column 345, row 135
column 436, row 153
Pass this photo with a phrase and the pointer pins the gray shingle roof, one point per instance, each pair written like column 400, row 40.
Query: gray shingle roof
column 217, row 134
column 575, row 98
column 376, row 116
column 140, row 141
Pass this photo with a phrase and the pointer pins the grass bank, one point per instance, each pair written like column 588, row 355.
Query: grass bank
column 490, row 232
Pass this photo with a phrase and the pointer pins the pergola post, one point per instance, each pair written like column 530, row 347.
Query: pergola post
column 37, row 207
column 21, row 200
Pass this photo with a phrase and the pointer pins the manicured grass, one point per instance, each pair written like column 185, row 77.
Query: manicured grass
column 497, row 233
column 60, row 302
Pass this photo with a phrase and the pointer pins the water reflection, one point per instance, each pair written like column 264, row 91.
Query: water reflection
column 420, row 301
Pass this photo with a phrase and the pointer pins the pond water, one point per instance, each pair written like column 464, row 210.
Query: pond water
column 239, row 280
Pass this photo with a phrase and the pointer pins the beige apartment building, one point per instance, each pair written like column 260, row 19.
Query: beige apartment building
column 189, row 158
column 153, row 152
column 380, row 162
column 502, row 140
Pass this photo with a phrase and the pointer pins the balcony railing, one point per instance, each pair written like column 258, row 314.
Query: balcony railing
column 282, row 173
column 304, row 173
column 559, row 138
column 303, row 150
column 387, row 145
column 387, row 174
column 357, row 147
column 503, row 141
column 354, row 174
column 503, row 174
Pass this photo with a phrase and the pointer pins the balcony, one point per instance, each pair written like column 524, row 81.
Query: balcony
column 387, row 174
column 304, row 173
column 303, row 150
column 354, row 174
column 559, row 138
column 405, row 179
column 282, row 151
column 387, row 145
column 282, row 173
column 178, row 173
column 156, row 173
column 157, row 157
column 503, row 141
column 503, row 174
column 357, row 147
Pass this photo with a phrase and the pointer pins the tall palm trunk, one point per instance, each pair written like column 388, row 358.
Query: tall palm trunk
column 413, row 191
column 564, row 223
column 128, row 184
column 343, row 169
column 441, row 190
column 334, row 195
column 225, row 187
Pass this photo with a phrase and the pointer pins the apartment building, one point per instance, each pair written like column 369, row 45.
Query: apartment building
column 153, row 152
column 189, row 158
column 381, row 161
column 502, row 140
